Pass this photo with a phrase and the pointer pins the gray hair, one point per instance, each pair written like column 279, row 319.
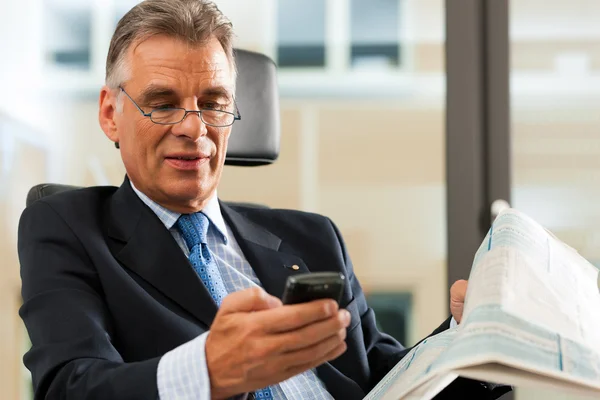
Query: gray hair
column 194, row 21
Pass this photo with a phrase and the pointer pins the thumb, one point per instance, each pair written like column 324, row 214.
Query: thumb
column 458, row 291
column 253, row 299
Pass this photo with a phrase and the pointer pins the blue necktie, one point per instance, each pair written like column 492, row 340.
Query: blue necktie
column 194, row 229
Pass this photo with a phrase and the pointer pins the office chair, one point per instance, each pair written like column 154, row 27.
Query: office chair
column 254, row 139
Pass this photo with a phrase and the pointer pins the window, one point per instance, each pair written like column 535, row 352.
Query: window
column 121, row 8
column 67, row 34
column 393, row 311
column 374, row 33
column 301, row 33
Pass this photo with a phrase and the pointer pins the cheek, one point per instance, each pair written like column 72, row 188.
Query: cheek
column 146, row 140
column 222, row 140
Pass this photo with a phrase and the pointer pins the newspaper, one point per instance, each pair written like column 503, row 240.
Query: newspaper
column 531, row 318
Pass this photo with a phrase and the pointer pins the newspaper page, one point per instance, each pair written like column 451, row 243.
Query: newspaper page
column 417, row 370
column 532, row 316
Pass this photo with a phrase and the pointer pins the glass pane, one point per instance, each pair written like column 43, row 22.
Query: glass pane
column 24, row 164
column 393, row 313
column 374, row 163
column 555, row 95
column 67, row 30
column 556, row 123
column 301, row 33
column 374, row 47
column 121, row 8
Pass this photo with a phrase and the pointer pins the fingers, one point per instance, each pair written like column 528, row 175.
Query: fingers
column 293, row 317
column 256, row 341
column 253, row 299
column 310, row 360
column 310, row 335
column 295, row 363
column 301, row 360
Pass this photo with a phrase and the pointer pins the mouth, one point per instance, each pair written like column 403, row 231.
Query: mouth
column 187, row 162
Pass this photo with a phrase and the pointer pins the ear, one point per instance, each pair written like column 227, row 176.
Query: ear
column 107, row 114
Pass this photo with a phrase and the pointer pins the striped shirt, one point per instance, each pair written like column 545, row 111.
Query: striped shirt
column 182, row 372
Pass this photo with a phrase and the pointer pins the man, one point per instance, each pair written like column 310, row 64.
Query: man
column 154, row 289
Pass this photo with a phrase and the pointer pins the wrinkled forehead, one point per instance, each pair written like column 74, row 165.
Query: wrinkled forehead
column 179, row 65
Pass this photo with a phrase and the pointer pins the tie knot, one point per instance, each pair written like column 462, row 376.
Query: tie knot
column 193, row 228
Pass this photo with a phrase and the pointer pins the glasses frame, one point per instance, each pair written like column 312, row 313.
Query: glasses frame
column 199, row 112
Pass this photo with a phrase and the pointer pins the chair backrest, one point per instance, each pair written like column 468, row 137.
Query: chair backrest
column 46, row 189
column 254, row 139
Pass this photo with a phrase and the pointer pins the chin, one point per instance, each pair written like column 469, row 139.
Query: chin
column 190, row 191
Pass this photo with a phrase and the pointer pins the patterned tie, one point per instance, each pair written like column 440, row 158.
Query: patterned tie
column 194, row 229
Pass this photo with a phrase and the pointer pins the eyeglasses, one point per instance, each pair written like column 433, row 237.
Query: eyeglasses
column 172, row 116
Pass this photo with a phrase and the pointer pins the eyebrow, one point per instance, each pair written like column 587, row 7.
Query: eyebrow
column 217, row 91
column 155, row 91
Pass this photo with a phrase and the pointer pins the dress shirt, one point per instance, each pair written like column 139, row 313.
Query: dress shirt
column 182, row 372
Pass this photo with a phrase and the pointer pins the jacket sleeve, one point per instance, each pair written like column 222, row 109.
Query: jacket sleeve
column 73, row 355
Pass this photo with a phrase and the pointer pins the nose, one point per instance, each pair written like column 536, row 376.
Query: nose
column 191, row 127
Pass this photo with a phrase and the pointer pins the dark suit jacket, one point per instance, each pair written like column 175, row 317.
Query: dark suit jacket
column 107, row 292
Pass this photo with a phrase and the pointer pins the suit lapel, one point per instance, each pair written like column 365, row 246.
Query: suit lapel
column 339, row 385
column 272, row 266
column 262, row 250
column 151, row 252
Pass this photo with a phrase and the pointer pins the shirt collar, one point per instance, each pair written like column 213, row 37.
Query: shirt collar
column 212, row 210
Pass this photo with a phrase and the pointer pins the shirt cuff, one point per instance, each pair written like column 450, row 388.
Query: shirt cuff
column 183, row 374
column 453, row 323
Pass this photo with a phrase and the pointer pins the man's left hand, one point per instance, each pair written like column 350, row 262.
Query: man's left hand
column 458, row 292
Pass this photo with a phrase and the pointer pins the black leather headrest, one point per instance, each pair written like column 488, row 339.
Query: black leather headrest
column 46, row 189
column 254, row 139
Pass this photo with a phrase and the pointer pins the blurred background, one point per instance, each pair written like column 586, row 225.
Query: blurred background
column 363, row 113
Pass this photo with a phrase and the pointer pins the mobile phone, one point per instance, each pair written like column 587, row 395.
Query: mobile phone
column 302, row 288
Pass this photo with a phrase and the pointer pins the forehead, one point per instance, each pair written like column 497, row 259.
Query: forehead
column 174, row 63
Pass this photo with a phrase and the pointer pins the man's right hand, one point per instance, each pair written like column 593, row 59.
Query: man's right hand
column 255, row 341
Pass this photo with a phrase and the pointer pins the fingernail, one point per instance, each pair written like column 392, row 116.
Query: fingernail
column 346, row 316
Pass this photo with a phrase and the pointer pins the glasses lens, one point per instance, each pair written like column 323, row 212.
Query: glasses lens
column 217, row 118
column 167, row 115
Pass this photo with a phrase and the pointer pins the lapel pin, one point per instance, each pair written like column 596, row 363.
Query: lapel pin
column 294, row 267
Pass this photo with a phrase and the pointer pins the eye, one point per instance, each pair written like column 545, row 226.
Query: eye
column 211, row 105
column 163, row 106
